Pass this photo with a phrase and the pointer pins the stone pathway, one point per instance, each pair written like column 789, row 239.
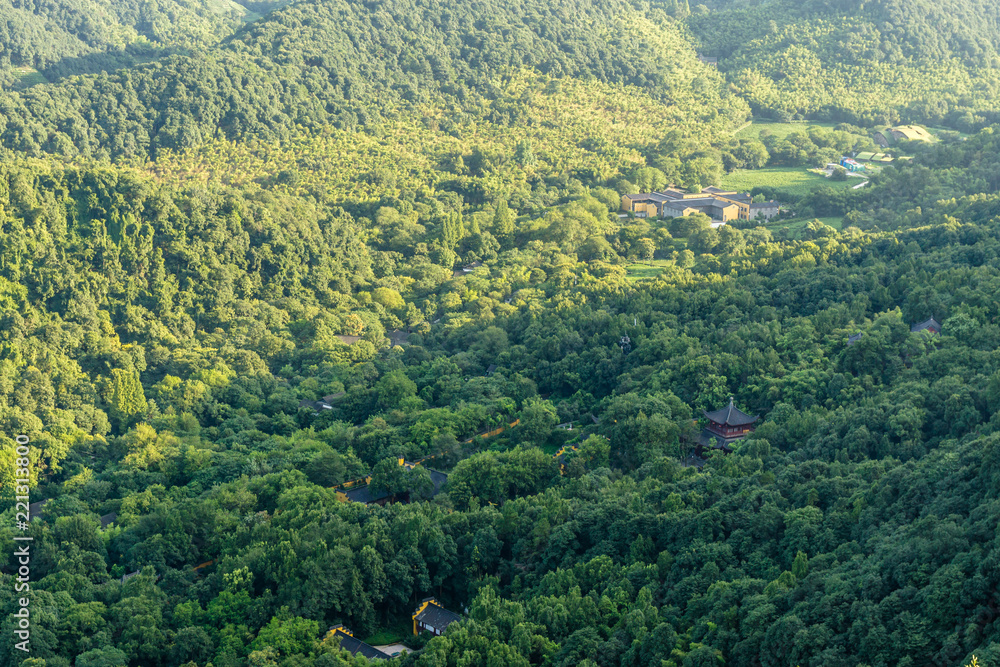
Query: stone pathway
column 393, row 649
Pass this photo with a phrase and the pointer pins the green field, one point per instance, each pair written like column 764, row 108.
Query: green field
column 646, row 270
column 391, row 635
column 936, row 131
column 796, row 225
column 28, row 76
column 779, row 129
column 792, row 180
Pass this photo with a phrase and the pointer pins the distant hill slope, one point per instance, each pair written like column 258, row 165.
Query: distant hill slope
column 39, row 33
column 65, row 37
column 871, row 61
column 345, row 62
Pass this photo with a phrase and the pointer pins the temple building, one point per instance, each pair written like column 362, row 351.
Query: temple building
column 725, row 426
column 349, row 643
column 931, row 325
column 432, row 617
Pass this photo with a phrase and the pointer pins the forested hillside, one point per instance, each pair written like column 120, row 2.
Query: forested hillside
column 59, row 38
column 307, row 240
column 352, row 63
column 874, row 61
column 158, row 344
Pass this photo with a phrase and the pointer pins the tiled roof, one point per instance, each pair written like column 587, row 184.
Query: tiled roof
column 731, row 416
column 37, row 510
column 929, row 324
column 439, row 478
column 702, row 202
column 363, row 495
column 356, row 646
column 437, row 617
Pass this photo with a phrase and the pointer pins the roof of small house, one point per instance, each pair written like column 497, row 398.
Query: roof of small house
column 315, row 405
column 713, row 202
column 657, row 197
column 37, row 510
column 930, row 324
column 348, row 340
column 398, row 336
column 439, row 478
column 912, row 132
column 356, row 646
column 741, row 197
column 468, row 268
column 694, row 460
column 731, row 416
column 647, row 196
column 851, row 340
column 765, row 204
column 362, row 494
column 437, row 616
column 108, row 519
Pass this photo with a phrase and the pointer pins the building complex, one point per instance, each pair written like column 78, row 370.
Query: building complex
column 718, row 204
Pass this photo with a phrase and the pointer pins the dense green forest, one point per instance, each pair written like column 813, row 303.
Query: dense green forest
column 158, row 342
column 874, row 61
column 214, row 214
column 345, row 64
column 58, row 38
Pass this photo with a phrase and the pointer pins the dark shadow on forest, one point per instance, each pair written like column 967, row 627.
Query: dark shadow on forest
column 108, row 61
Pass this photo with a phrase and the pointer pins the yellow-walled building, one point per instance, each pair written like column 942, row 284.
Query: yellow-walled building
column 720, row 205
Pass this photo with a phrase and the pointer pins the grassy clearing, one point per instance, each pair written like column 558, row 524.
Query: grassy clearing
column 796, row 181
column 836, row 223
column 642, row 272
column 646, row 270
column 779, row 129
column 391, row 635
column 28, row 76
column 796, row 226
column 936, row 131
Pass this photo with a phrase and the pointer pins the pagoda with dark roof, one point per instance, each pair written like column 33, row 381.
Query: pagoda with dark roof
column 726, row 426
